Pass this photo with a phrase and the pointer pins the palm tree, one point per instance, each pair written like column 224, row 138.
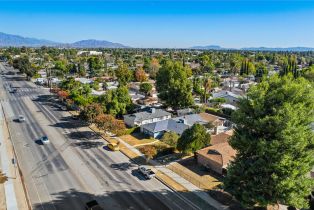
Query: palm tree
column 207, row 84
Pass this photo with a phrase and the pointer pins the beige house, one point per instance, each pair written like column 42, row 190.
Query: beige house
column 218, row 156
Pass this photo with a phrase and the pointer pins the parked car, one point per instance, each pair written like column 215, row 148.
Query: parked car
column 93, row 205
column 44, row 140
column 113, row 146
column 21, row 118
column 148, row 173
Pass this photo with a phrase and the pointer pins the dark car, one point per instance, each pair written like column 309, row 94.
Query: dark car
column 14, row 90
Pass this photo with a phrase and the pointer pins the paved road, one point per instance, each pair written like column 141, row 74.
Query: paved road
column 75, row 167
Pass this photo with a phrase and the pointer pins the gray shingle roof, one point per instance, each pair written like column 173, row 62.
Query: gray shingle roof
column 140, row 116
column 166, row 125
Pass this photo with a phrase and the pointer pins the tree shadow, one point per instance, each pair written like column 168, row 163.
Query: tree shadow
column 83, row 135
column 87, row 144
column 123, row 166
column 73, row 199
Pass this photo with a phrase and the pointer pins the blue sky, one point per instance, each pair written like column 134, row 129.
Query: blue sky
column 162, row 23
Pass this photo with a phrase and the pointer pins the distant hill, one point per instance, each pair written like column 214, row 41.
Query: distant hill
column 18, row 41
column 295, row 49
column 9, row 40
column 92, row 43
column 216, row 47
column 209, row 47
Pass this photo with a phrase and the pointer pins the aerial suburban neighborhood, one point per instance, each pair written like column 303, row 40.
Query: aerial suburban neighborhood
column 95, row 124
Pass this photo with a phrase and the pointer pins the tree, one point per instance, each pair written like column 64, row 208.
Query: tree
column 206, row 64
column 123, row 74
column 247, row 67
column 170, row 138
column 107, row 122
column 207, row 84
column 95, row 64
column 173, row 85
column 63, row 94
column 274, row 144
column 149, row 151
column 193, row 139
column 309, row 74
column 23, row 64
column 91, row 112
column 3, row 177
column 140, row 75
column 153, row 68
column 116, row 102
column 146, row 88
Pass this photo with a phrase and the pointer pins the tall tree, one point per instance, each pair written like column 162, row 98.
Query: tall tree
column 173, row 85
column 274, row 144
column 193, row 139
column 207, row 84
column 140, row 75
column 123, row 74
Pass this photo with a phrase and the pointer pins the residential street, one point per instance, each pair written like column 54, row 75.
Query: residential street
column 74, row 167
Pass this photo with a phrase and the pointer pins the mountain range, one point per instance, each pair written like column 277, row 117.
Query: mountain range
column 9, row 40
column 276, row 49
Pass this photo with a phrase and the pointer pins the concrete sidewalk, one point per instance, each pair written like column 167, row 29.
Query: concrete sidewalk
column 10, row 198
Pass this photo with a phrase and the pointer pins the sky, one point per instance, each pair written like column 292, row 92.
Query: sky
column 164, row 23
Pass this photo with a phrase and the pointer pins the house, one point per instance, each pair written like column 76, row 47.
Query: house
column 83, row 80
column 157, row 129
column 231, row 98
column 145, row 117
column 180, row 124
column 216, row 157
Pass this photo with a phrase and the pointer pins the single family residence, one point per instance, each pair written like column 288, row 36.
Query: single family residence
column 150, row 116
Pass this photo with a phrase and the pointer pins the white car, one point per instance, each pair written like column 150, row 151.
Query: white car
column 21, row 118
column 148, row 173
column 44, row 140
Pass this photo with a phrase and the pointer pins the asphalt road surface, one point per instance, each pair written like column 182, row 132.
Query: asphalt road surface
column 75, row 166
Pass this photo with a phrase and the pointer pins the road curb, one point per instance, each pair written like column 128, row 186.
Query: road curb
column 17, row 162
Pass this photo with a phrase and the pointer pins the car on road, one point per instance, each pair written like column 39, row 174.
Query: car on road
column 148, row 173
column 14, row 90
column 21, row 118
column 64, row 108
column 93, row 205
column 44, row 140
column 114, row 146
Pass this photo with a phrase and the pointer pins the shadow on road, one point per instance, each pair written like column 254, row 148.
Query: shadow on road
column 119, row 200
column 83, row 135
column 39, row 142
column 87, row 144
column 123, row 166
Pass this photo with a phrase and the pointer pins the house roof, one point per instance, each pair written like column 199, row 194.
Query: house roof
column 154, row 113
column 225, row 93
column 209, row 117
column 222, row 152
column 191, row 119
column 166, row 125
column 220, row 138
